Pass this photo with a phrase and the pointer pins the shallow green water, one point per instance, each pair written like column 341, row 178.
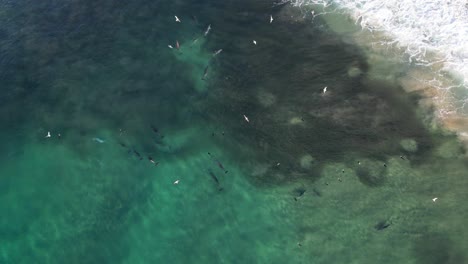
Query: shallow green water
column 102, row 70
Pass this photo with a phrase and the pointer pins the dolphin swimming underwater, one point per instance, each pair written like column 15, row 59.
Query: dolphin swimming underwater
column 300, row 192
column 213, row 176
column 220, row 165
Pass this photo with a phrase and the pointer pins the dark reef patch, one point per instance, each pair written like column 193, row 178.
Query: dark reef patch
column 279, row 85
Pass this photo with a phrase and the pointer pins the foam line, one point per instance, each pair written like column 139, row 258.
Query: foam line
column 420, row 26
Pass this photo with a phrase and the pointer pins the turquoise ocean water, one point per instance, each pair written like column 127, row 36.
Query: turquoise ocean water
column 343, row 176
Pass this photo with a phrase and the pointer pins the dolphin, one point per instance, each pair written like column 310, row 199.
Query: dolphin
column 137, row 154
column 299, row 191
column 213, row 176
column 382, row 225
column 156, row 163
column 155, row 130
column 221, row 166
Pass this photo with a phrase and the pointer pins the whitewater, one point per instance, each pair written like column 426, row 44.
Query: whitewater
column 420, row 26
column 429, row 34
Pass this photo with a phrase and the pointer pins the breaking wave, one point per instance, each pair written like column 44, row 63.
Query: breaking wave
column 429, row 31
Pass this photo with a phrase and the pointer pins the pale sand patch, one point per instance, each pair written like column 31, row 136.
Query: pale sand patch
column 458, row 124
column 265, row 98
column 354, row 71
column 450, row 149
column 306, row 161
column 440, row 99
column 409, row 144
column 295, row 121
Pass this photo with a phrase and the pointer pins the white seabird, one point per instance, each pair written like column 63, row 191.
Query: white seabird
column 207, row 30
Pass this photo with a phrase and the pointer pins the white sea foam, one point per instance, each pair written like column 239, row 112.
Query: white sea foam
column 430, row 31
